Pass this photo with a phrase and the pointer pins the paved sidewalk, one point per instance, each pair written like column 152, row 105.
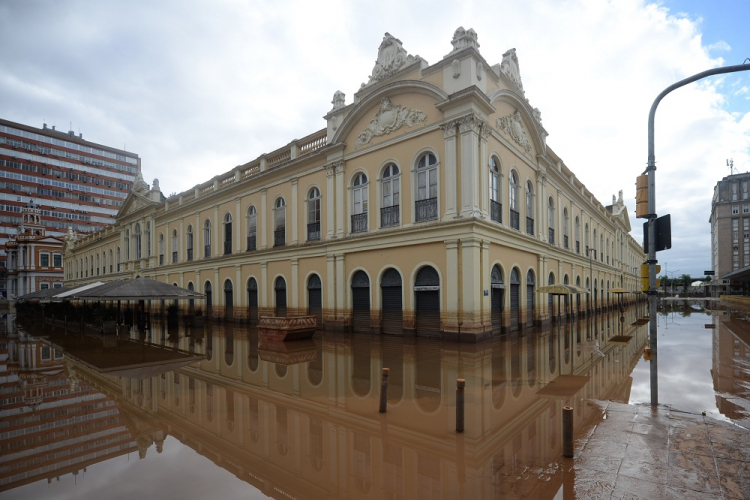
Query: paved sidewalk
column 639, row 452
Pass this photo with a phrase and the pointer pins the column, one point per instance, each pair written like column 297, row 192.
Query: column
column 216, row 228
column 483, row 172
column 451, row 184
column 237, row 228
column 340, row 194
column 294, row 290
column 330, row 199
column 471, row 286
column 261, row 219
column 294, row 210
column 452, row 298
column 263, row 285
column 330, row 288
column 341, row 308
column 469, row 128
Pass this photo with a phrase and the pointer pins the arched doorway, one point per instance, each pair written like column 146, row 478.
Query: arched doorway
column 360, row 302
column 427, row 292
column 530, row 297
column 550, row 297
column 315, row 299
column 209, row 301
column 392, row 302
column 191, row 302
column 497, row 301
column 228, row 300
column 565, row 299
column 252, row 301
column 578, row 296
column 280, row 288
column 515, row 299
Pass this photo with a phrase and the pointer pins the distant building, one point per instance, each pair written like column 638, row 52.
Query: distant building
column 730, row 233
column 34, row 259
column 76, row 183
column 431, row 205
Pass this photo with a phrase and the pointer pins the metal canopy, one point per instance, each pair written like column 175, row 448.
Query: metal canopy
column 562, row 289
column 43, row 295
column 138, row 289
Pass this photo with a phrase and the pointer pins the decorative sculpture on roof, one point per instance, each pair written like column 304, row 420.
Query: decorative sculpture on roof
column 464, row 38
column 513, row 126
column 71, row 237
column 391, row 58
column 339, row 100
column 139, row 184
column 509, row 67
column 390, row 117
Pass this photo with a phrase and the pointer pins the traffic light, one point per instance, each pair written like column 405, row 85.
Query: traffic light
column 644, row 277
column 641, row 197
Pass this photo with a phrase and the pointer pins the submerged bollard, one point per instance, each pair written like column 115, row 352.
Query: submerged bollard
column 384, row 390
column 567, row 431
column 460, row 384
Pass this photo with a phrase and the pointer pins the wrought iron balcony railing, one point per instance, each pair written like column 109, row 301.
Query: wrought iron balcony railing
column 279, row 237
column 530, row 226
column 313, row 231
column 389, row 216
column 496, row 211
column 515, row 220
column 427, row 209
column 251, row 243
column 359, row 223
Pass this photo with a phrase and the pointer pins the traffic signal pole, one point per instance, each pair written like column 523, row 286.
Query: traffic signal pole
column 651, row 216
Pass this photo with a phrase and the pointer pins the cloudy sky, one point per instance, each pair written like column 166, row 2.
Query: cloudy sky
column 196, row 88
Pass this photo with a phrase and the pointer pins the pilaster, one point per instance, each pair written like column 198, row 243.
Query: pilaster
column 469, row 128
column 451, row 182
column 452, row 298
column 340, row 209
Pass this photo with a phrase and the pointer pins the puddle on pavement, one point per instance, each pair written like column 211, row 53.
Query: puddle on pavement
column 205, row 411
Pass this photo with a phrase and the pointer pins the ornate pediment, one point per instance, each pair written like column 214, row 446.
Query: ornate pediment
column 391, row 58
column 512, row 125
column 390, row 117
column 133, row 203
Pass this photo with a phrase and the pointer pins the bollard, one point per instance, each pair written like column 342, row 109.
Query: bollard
column 384, row 390
column 460, row 384
column 567, row 431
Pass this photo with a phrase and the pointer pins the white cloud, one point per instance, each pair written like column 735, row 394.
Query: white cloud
column 197, row 89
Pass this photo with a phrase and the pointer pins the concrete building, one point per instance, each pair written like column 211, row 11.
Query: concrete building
column 431, row 204
column 76, row 183
column 730, row 233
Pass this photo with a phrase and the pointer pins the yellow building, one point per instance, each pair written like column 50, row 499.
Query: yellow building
column 471, row 213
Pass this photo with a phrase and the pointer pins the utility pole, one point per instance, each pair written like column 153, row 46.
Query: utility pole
column 651, row 216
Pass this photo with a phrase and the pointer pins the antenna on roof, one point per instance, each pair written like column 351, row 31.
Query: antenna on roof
column 730, row 164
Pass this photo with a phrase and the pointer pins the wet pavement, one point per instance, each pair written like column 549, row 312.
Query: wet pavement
column 636, row 451
column 135, row 416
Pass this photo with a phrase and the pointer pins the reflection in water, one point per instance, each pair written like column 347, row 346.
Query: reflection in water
column 311, row 428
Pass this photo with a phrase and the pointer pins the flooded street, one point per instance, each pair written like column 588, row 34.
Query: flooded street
column 205, row 411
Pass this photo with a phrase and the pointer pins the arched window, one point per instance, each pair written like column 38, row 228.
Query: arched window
column 209, row 298
column 280, row 289
column 189, row 235
column 313, row 214
column 86, row 266
column 601, row 247
column 586, row 237
column 161, row 249
column 279, row 217
column 513, row 195
column 118, row 259
column 148, row 239
column 566, row 223
column 391, row 188
column 228, row 300
column 593, row 246
column 207, row 238
column 104, row 262
column 127, row 244
column 111, row 261
column 137, row 242
column 227, row 233
column 530, row 302
column 529, row 208
column 97, row 264
column 359, row 204
column 174, row 246
column 551, row 217
column 496, row 208
column 252, row 228
column 427, row 192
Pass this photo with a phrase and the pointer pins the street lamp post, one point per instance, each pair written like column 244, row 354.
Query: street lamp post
column 651, row 225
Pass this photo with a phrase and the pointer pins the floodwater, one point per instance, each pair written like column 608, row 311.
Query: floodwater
column 207, row 412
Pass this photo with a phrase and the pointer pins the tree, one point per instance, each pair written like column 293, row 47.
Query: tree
column 685, row 279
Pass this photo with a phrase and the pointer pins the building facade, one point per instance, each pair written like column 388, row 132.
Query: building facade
column 77, row 183
column 730, row 233
column 34, row 258
column 431, row 204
